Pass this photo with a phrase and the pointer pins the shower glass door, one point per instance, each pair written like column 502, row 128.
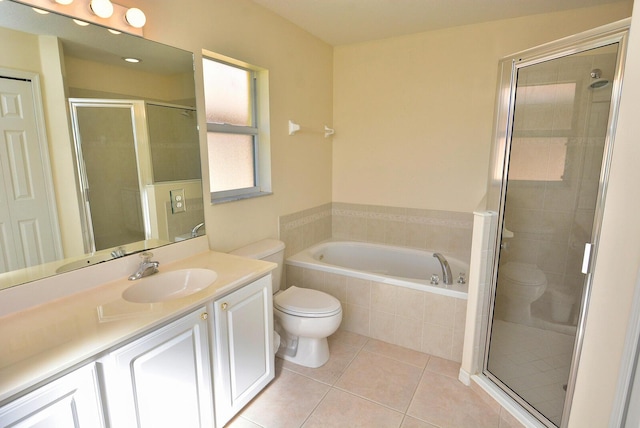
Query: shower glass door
column 552, row 187
column 108, row 169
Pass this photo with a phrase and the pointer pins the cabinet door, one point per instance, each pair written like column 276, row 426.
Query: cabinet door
column 243, row 352
column 162, row 379
column 71, row 401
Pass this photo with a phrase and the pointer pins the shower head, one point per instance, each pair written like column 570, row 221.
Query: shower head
column 598, row 81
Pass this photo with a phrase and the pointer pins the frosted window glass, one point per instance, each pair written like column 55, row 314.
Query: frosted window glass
column 230, row 161
column 227, row 93
column 538, row 159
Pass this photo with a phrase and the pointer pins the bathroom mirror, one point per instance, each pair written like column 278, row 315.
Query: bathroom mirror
column 65, row 90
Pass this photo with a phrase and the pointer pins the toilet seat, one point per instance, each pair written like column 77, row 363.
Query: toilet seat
column 524, row 274
column 305, row 302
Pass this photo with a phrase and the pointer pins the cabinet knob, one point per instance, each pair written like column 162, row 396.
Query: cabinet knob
column 204, row 316
column 224, row 306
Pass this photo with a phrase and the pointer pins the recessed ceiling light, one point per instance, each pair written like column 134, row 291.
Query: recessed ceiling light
column 111, row 30
column 64, row 1
column 133, row 60
column 81, row 23
column 40, row 11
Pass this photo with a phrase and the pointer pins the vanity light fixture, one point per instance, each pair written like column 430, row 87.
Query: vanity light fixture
column 101, row 12
column 135, row 17
column 101, row 8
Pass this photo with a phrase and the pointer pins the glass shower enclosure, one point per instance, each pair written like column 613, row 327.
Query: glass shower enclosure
column 560, row 108
column 126, row 150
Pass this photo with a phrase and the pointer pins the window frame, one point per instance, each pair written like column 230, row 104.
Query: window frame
column 260, row 187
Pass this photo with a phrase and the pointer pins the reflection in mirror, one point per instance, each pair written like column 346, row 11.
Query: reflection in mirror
column 77, row 187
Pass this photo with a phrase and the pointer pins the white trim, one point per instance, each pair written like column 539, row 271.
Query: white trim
column 628, row 364
column 506, row 402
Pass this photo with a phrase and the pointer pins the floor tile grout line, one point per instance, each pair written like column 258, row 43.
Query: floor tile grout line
column 316, row 407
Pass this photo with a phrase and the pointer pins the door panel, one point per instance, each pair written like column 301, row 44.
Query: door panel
column 27, row 219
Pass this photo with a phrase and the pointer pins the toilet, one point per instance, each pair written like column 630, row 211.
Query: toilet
column 519, row 285
column 304, row 318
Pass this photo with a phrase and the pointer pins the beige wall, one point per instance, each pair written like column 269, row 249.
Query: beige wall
column 95, row 79
column 300, row 71
column 618, row 259
column 413, row 115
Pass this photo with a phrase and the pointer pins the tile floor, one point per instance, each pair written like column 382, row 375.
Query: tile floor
column 369, row 383
column 534, row 362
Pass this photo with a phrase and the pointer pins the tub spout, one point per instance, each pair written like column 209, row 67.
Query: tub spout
column 446, row 269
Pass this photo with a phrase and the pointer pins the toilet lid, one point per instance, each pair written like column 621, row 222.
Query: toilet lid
column 523, row 273
column 306, row 302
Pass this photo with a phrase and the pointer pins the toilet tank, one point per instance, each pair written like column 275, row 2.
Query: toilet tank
column 270, row 250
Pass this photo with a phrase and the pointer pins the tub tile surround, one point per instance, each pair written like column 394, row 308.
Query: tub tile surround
column 414, row 319
column 370, row 383
column 302, row 229
column 447, row 232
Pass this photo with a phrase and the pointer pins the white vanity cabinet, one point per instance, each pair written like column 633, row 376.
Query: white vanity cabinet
column 162, row 379
column 72, row 400
column 243, row 358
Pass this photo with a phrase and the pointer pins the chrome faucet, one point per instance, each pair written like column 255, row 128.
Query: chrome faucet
column 147, row 267
column 446, row 269
column 119, row 252
column 194, row 231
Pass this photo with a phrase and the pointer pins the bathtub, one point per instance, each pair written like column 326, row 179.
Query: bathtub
column 387, row 264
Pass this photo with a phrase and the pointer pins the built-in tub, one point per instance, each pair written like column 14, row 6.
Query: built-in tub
column 404, row 267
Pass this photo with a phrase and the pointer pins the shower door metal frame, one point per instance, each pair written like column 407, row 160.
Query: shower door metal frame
column 143, row 160
column 616, row 32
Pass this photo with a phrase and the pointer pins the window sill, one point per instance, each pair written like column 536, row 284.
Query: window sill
column 224, row 200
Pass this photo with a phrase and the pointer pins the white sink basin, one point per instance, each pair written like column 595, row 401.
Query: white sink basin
column 169, row 285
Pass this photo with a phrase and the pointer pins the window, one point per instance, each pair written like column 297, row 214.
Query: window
column 543, row 125
column 237, row 146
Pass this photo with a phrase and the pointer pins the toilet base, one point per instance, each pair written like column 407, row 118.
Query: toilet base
column 304, row 351
column 513, row 310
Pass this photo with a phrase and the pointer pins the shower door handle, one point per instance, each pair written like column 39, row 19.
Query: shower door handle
column 586, row 258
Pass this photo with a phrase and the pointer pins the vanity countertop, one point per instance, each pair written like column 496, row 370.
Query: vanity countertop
column 48, row 339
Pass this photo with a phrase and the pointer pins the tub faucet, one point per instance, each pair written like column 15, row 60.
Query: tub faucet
column 147, row 267
column 194, row 231
column 446, row 269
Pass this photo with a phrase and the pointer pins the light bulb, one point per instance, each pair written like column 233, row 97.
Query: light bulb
column 81, row 23
column 64, row 1
column 102, row 8
column 40, row 11
column 135, row 17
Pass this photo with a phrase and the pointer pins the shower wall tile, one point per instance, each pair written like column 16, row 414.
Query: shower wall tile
column 415, row 319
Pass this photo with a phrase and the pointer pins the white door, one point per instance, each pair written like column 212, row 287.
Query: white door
column 28, row 231
column 243, row 353
column 72, row 401
column 162, row 379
